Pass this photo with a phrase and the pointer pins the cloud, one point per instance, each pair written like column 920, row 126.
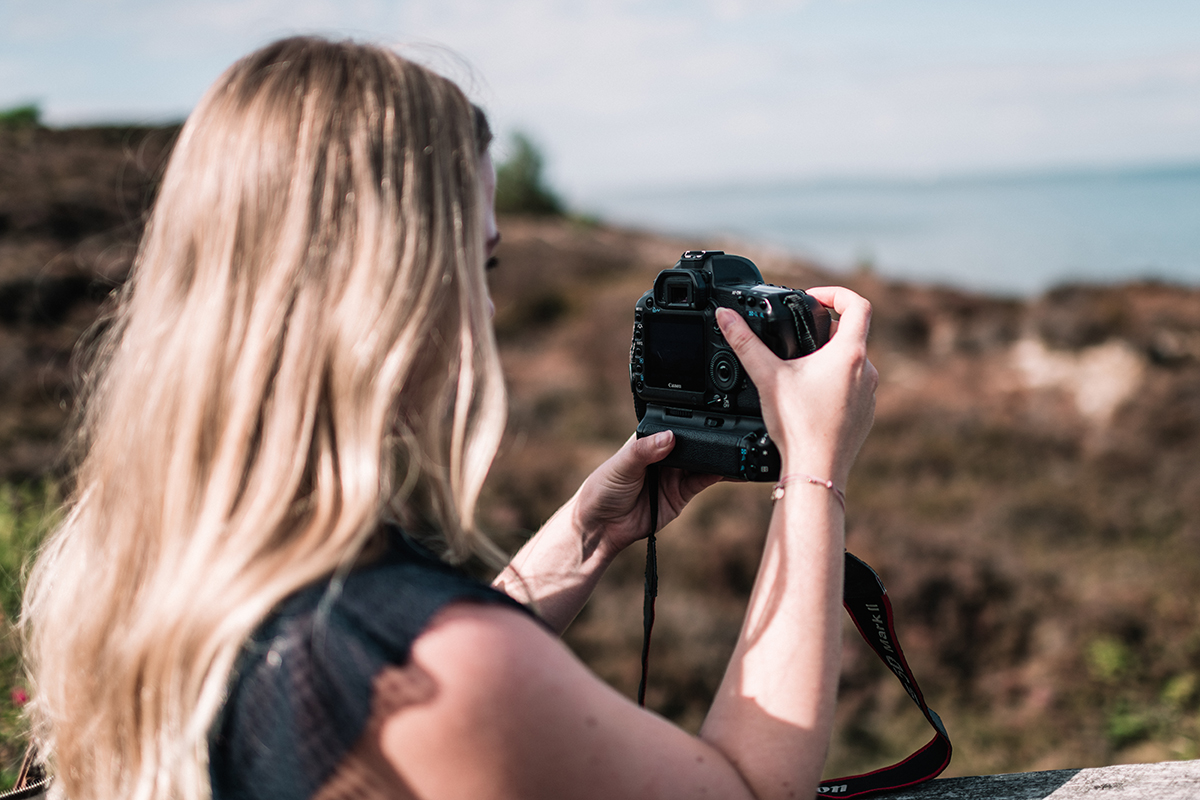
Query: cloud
column 797, row 118
column 637, row 91
column 740, row 9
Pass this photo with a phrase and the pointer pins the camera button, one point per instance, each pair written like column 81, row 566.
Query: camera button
column 713, row 422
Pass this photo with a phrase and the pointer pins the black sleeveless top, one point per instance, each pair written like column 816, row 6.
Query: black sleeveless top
column 300, row 695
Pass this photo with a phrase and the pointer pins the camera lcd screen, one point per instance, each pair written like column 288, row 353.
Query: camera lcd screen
column 675, row 352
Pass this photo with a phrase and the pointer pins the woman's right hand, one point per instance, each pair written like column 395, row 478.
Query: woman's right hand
column 818, row 408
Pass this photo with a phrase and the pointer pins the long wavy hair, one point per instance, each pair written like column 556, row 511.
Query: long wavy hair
column 304, row 348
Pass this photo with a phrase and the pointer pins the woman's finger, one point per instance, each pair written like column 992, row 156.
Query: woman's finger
column 853, row 308
column 755, row 356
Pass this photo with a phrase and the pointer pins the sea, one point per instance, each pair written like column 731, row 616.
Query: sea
column 1014, row 234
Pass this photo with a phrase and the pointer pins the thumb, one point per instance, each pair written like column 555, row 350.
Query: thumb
column 651, row 449
column 628, row 465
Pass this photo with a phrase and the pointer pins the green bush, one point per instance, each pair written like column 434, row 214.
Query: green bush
column 27, row 116
column 519, row 187
column 27, row 512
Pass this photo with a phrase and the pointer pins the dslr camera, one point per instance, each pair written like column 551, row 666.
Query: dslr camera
column 685, row 377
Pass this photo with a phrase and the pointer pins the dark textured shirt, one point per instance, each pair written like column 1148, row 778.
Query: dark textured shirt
column 300, row 695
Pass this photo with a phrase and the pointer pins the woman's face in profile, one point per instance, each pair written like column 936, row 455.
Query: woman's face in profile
column 487, row 184
column 491, row 233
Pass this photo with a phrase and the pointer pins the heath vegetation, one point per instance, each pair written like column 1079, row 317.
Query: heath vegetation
column 1028, row 493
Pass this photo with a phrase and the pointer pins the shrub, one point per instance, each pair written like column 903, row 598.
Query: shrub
column 27, row 116
column 519, row 187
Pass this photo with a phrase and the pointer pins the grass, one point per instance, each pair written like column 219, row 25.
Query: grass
column 27, row 512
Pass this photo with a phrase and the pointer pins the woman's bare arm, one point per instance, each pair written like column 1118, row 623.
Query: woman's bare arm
column 778, row 694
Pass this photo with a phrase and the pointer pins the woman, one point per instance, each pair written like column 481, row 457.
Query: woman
column 300, row 385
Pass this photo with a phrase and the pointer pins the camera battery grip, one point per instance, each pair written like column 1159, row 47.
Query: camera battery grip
column 714, row 443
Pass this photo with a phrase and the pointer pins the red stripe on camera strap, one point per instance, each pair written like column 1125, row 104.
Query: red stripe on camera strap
column 866, row 600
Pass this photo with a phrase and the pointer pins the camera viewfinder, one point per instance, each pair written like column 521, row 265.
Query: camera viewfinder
column 679, row 292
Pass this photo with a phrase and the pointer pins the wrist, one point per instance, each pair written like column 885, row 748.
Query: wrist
column 811, row 461
column 596, row 544
column 793, row 480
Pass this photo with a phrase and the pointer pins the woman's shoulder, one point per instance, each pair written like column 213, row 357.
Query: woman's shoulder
column 389, row 602
column 302, row 691
column 493, row 705
column 379, row 607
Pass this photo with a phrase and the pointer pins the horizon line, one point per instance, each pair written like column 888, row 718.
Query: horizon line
column 1182, row 167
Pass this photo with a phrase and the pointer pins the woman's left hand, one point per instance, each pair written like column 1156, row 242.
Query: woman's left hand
column 557, row 569
column 612, row 508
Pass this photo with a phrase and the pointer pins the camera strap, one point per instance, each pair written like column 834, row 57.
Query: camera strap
column 802, row 319
column 866, row 601
column 651, row 589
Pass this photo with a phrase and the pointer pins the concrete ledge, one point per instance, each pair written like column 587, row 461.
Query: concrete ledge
column 1169, row 780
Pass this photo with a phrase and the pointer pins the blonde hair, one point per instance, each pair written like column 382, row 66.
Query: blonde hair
column 304, row 344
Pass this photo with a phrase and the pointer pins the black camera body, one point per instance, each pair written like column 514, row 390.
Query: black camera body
column 685, row 377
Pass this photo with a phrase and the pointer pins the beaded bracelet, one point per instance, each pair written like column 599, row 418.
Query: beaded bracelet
column 778, row 492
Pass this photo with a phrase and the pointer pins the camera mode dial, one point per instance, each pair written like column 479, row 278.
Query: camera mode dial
column 724, row 371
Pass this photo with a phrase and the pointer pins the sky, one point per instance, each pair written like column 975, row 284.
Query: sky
column 621, row 94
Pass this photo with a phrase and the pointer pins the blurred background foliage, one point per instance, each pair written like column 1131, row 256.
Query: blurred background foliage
column 23, row 116
column 520, row 185
column 28, row 510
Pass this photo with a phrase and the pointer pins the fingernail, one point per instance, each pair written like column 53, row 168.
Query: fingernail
column 662, row 438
